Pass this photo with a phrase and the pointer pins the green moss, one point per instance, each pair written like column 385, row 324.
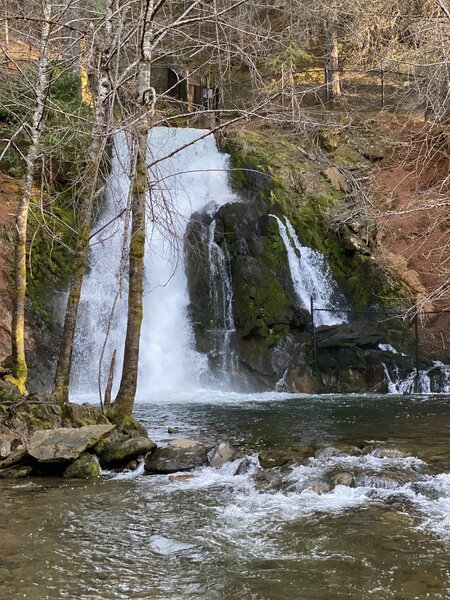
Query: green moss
column 266, row 163
column 51, row 244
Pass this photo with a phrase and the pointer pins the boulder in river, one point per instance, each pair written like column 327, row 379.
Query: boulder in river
column 222, row 453
column 65, row 443
column 274, row 458
column 329, row 452
column 383, row 452
column 178, row 455
column 85, row 467
column 120, row 452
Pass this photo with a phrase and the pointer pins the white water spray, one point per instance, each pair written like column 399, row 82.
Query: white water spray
column 186, row 182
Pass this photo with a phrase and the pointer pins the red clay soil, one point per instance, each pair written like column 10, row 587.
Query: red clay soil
column 415, row 228
column 9, row 191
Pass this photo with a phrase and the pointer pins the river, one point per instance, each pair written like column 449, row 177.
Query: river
column 217, row 537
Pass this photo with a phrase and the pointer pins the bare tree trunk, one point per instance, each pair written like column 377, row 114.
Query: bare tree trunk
column 122, row 408
column 108, row 390
column 334, row 92
column 88, row 193
column 19, row 367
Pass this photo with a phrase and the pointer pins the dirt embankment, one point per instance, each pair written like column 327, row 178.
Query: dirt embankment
column 414, row 227
column 9, row 193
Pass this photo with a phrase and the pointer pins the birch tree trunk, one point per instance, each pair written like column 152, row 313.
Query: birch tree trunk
column 19, row 365
column 88, row 194
column 122, row 407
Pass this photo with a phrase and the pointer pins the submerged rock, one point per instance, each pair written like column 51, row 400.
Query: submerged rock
column 244, row 467
column 65, row 443
column 268, row 480
column 222, row 453
column 120, row 452
column 178, row 455
column 274, row 458
column 180, row 478
column 387, row 453
column 329, row 452
column 318, row 486
column 343, row 478
column 85, row 467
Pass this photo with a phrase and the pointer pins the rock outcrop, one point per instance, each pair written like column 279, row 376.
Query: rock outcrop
column 66, row 443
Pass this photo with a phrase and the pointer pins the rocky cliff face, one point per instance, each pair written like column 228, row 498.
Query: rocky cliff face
column 271, row 334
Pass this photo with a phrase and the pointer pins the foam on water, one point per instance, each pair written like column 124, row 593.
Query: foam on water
column 250, row 515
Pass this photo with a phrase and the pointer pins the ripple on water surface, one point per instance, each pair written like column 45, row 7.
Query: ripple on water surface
column 219, row 536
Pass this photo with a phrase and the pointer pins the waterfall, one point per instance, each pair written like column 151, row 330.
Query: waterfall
column 221, row 298
column 186, row 182
column 434, row 379
column 311, row 277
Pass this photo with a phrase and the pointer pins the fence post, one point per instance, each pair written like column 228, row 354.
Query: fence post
column 382, row 82
column 416, row 341
column 313, row 334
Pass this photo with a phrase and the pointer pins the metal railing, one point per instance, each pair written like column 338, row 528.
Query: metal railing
column 415, row 320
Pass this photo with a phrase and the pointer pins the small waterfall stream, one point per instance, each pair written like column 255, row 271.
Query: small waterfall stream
column 434, row 379
column 311, row 277
column 186, row 182
column 221, row 297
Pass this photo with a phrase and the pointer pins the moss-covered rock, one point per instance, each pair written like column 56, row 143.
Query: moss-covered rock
column 86, row 466
column 121, row 452
column 18, row 472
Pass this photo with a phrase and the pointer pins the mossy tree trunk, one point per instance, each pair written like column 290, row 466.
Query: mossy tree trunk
column 122, row 407
column 88, row 194
column 19, row 365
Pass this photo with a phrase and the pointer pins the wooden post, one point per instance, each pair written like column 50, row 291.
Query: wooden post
column 382, row 83
column 416, row 341
column 313, row 335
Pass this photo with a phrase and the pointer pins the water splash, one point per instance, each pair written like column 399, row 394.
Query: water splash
column 312, row 277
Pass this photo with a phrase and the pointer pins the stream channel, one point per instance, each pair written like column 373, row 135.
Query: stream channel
column 217, row 536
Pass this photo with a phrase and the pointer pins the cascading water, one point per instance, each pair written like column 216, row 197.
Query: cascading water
column 221, row 297
column 311, row 277
column 434, row 379
column 195, row 176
